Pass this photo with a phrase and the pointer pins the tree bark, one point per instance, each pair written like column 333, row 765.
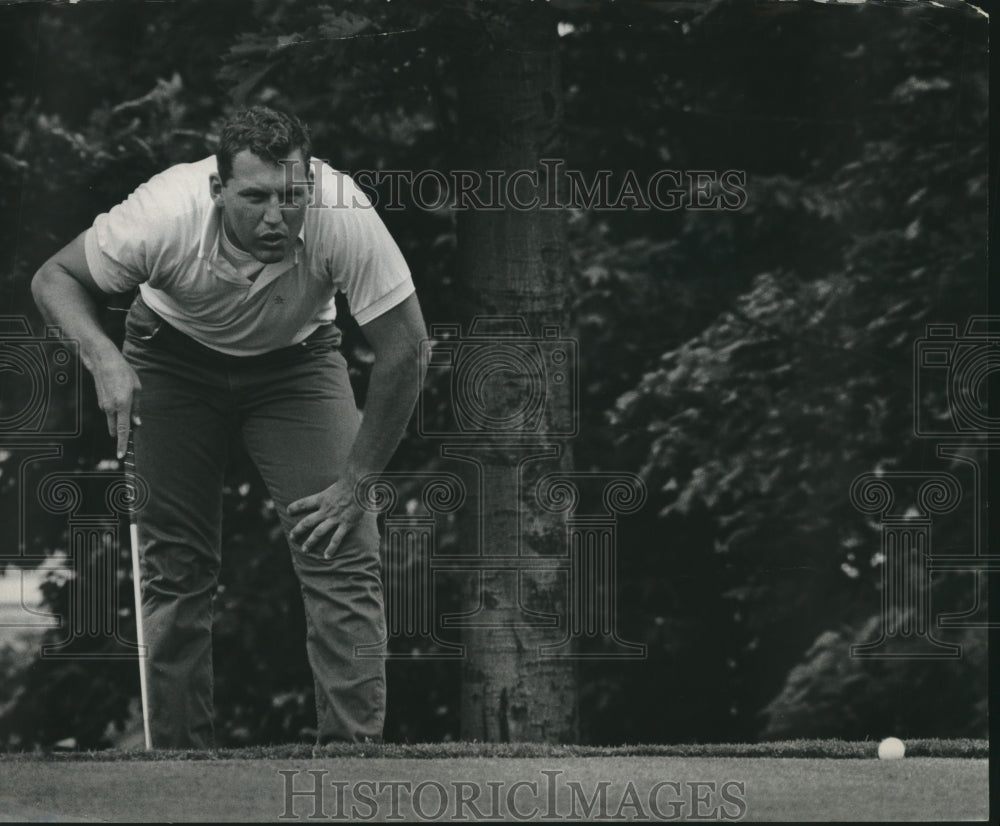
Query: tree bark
column 513, row 263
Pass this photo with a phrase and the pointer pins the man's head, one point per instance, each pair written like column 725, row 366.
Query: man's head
column 263, row 167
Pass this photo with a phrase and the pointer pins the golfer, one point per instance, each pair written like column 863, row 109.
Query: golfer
column 237, row 259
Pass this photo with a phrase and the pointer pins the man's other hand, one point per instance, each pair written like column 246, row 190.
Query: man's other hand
column 334, row 509
column 118, row 391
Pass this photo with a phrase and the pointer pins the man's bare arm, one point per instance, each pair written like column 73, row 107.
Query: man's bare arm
column 395, row 383
column 65, row 292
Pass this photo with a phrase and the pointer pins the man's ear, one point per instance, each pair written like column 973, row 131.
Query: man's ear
column 215, row 188
column 310, row 181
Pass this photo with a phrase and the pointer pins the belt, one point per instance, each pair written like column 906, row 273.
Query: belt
column 325, row 338
column 167, row 337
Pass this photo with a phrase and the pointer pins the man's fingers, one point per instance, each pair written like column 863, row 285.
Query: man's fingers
column 338, row 537
column 321, row 530
column 122, row 432
column 307, row 503
column 118, row 390
column 320, row 513
column 306, row 524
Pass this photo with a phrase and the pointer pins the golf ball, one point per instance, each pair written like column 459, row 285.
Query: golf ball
column 891, row 748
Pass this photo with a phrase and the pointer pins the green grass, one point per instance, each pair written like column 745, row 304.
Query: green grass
column 119, row 788
column 832, row 749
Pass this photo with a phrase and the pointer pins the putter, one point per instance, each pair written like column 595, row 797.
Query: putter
column 133, row 528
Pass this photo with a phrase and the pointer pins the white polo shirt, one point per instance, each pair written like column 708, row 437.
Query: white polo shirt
column 164, row 238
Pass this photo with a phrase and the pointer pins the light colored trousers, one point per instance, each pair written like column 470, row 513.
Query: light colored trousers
column 295, row 412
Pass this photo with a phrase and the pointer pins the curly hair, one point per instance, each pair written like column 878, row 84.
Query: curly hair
column 268, row 133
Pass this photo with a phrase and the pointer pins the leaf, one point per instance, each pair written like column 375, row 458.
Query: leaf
column 343, row 25
column 244, row 88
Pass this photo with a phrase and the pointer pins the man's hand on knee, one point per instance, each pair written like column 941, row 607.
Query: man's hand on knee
column 334, row 510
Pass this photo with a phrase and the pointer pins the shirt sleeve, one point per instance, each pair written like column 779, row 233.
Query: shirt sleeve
column 125, row 246
column 365, row 262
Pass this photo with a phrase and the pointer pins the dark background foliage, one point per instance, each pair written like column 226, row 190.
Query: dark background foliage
column 749, row 364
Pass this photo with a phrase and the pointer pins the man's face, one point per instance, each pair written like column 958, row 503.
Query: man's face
column 263, row 211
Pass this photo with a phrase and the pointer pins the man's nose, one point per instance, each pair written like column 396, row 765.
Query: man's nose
column 272, row 215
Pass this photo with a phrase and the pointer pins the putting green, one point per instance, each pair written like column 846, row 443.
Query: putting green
column 471, row 789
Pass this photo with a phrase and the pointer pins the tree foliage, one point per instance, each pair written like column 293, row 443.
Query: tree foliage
column 747, row 363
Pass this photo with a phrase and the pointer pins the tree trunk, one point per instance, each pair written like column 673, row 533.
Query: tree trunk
column 514, row 264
